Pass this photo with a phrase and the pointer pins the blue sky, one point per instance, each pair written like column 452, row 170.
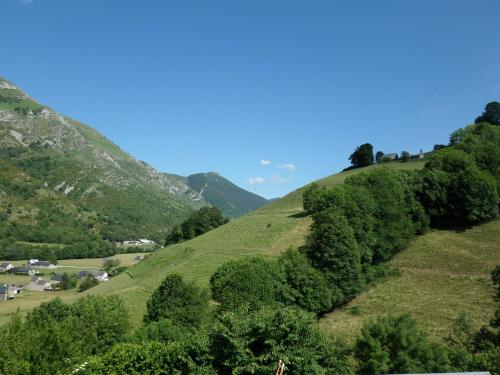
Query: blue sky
column 195, row 86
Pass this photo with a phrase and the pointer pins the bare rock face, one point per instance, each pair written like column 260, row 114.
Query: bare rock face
column 24, row 122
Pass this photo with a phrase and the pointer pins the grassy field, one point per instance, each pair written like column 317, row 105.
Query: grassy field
column 442, row 274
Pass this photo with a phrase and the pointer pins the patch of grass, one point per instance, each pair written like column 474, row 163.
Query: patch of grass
column 442, row 274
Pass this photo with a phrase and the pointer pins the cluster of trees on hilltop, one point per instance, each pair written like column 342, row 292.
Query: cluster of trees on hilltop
column 363, row 154
column 199, row 222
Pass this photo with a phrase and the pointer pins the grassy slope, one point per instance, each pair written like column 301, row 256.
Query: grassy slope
column 199, row 258
column 443, row 273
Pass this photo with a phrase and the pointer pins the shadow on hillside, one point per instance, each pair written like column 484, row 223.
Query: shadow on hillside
column 299, row 215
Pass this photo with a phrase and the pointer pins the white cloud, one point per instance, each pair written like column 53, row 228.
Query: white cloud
column 288, row 166
column 265, row 162
column 277, row 179
column 256, row 180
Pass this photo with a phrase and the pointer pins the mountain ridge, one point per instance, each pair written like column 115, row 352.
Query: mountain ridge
column 104, row 190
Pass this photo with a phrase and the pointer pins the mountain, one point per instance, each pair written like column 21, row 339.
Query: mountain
column 232, row 200
column 62, row 181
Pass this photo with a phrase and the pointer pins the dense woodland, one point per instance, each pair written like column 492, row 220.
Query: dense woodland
column 199, row 222
column 267, row 307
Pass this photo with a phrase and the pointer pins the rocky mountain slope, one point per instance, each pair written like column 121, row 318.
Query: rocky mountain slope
column 62, row 181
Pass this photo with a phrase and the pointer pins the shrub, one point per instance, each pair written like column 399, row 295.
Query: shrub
column 393, row 344
column 253, row 281
column 246, row 342
column 174, row 299
column 332, row 248
column 309, row 288
column 88, row 282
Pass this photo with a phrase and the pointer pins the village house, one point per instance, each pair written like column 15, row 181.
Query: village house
column 99, row 275
column 7, row 292
column 22, row 271
column 140, row 242
column 4, row 267
column 42, row 264
column 56, row 279
column 39, row 284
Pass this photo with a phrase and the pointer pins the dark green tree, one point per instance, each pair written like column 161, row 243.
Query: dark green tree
column 253, row 281
column 309, row 288
column 378, row 156
column 174, row 299
column 362, row 156
column 394, row 345
column 333, row 249
column 246, row 342
column 405, row 156
column 491, row 114
column 88, row 282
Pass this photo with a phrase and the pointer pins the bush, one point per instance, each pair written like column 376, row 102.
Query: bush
column 182, row 303
column 391, row 192
column 253, row 281
column 247, row 342
column 309, row 288
column 186, row 357
column 88, row 282
column 332, row 248
column 394, row 345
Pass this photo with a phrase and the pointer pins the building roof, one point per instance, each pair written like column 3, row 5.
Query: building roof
column 100, row 273
column 56, row 277
column 4, row 289
column 82, row 274
column 43, row 263
column 21, row 269
column 5, row 264
column 41, row 282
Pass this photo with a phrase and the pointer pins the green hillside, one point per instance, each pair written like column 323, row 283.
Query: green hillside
column 232, row 200
column 442, row 274
column 267, row 231
column 62, row 182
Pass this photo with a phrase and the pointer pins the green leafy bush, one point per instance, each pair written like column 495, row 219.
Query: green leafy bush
column 174, row 299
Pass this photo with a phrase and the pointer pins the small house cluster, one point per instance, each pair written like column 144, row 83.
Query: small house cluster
column 140, row 242
column 9, row 291
column 99, row 275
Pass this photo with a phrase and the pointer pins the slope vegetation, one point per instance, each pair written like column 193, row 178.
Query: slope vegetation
column 442, row 274
column 267, row 231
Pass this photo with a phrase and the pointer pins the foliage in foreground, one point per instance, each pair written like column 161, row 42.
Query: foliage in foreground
column 55, row 336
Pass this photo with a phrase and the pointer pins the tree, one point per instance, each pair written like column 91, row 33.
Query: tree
column 491, row 114
column 362, row 156
column 88, row 282
column 246, row 342
column 394, row 345
column 405, row 156
column 333, row 249
column 174, row 299
column 378, row 156
column 112, row 266
column 253, row 281
column 309, row 288
column 482, row 142
column 183, row 357
column 67, row 281
column 393, row 227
